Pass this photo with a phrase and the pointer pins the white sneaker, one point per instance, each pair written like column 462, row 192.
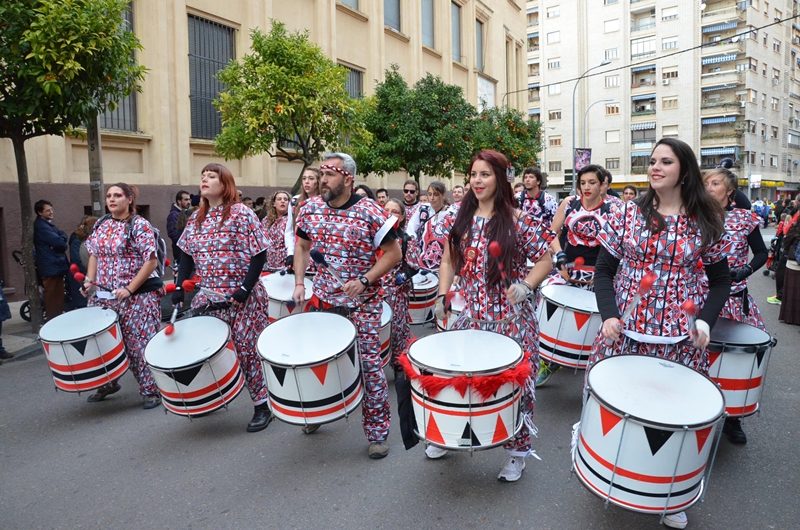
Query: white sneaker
column 676, row 520
column 512, row 469
column 435, row 452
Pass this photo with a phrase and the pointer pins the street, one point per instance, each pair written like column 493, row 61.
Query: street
column 66, row 463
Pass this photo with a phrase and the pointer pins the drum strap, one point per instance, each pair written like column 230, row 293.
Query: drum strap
column 745, row 301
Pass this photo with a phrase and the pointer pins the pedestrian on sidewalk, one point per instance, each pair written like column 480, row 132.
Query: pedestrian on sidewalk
column 5, row 314
column 50, row 245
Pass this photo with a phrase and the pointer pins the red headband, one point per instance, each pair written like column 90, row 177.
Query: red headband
column 336, row 169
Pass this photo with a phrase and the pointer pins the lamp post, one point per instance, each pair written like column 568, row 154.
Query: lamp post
column 585, row 114
column 750, row 160
column 574, row 91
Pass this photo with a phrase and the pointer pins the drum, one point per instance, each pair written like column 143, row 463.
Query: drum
column 456, row 307
column 646, row 432
column 568, row 324
column 739, row 354
column 280, row 289
column 312, row 367
column 167, row 307
column 465, row 421
column 84, row 349
column 386, row 334
column 422, row 299
column 196, row 368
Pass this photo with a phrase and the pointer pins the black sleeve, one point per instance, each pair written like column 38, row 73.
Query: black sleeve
column 760, row 254
column 254, row 271
column 301, row 234
column 719, row 283
column 185, row 268
column 741, row 201
column 390, row 236
column 604, row 271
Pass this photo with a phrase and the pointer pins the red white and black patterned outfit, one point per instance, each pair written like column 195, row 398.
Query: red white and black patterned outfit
column 222, row 256
column 397, row 296
column 276, row 236
column 428, row 239
column 672, row 254
column 119, row 260
column 487, row 307
column 542, row 208
column 348, row 237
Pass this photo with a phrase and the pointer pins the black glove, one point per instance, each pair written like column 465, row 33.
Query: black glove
column 561, row 260
column 240, row 295
column 178, row 296
column 288, row 262
column 738, row 275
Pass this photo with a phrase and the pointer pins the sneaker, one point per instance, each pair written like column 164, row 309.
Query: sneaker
column 5, row 355
column 103, row 392
column 310, row 428
column 378, row 450
column 152, row 401
column 261, row 418
column 546, row 371
column 676, row 520
column 773, row 300
column 732, row 428
column 512, row 469
column 434, row 452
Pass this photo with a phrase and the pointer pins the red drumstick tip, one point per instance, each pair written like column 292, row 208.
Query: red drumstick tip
column 170, row 329
column 188, row 285
column 166, row 262
column 579, row 261
column 688, row 307
column 448, row 298
column 648, row 281
column 494, row 249
column 79, row 277
column 170, row 287
column 74, row 268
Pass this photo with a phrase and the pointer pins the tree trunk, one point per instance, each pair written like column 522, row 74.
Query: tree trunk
column 95, row 166
column 26, row 214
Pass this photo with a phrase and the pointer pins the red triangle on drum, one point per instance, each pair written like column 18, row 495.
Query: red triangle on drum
column 581, row 319
column 320, row 371
column 113, row 331
column 433, row 434
column 608, row 420
column 46, row 348
column 713, row 356
column 702, row 436
column 500, row 432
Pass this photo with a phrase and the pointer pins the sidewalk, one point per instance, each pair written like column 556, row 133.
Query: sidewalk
column 18, row 337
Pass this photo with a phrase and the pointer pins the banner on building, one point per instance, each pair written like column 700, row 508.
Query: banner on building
column 583, row 157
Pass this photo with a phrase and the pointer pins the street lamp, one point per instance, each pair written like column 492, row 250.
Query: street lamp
column 585, row 114
column 750, row 160
column 574, row 90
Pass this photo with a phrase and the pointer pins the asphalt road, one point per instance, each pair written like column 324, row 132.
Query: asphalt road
column 65, row 463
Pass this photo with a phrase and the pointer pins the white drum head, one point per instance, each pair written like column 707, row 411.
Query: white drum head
column 726, row 331
column 575, row 298
column 655, row 390
column 387, row 314
column 194, row 340
column 282, row 287
column 314, row 337
column 425, row 281
column 77, row 324
column 465, row 350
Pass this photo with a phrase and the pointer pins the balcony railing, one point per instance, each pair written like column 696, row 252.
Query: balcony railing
column 533, row 23
column 642, row 112
column 727, row 76
column 642, row 27
column 722, row 15
column 642, row 55
column 643, row 83
column 533, row 48
column 639, row 170
column 643, row 144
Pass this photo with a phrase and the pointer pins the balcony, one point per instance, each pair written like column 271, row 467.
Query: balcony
column 639, row 170
column 640, row 145
column 641, row 3
column 643, row 112
column 643, row 84
column 643, row 55
column 724, row 139
column 723, row 47
column 720, row 108
column 720, row 78
column 720, row 16
column 643, row 26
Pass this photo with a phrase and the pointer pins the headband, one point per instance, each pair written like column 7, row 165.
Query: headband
column 336, row 169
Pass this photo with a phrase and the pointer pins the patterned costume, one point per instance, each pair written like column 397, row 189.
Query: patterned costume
column 276, row 251
column 119, row 259
column 349, row 237
column 672, row 254
column 739, row 224
column 397, row 297
column 487, row 307
column 543, row 207
column 222, row 256
column 428, row 241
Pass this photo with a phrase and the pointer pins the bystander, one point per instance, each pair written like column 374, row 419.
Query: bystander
column 50, row 245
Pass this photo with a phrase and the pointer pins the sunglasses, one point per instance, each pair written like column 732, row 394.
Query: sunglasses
column 409, row 191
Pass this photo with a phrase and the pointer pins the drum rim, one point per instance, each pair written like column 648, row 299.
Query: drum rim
column 316, row 363
column 96, row 333
column 327, row 360
column 561, row 305
column 668, row 426
column 439, row 371
column 195, row 363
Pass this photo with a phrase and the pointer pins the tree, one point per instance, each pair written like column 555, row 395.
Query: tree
column 286, row 99
column 62, row 63
column 507, row 131
column 419, row 130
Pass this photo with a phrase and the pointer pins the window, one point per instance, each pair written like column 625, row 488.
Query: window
column 639, row 164
column 211, row 48
column 479, row 45
column 554, row 166
column 774, row 104
column 612, row 53
column 533, row 69
column 612, row 137
column 555, row 141
column 354, row 83
column 763, row 160
column 669, row 72
column 427, row 24
column 646, row 135
column 669, row 130
column 774, row 132
column 611, row 26
column 553, row 37
column 764, row 39
column 643, row 47
column 455, row 21
column 553, row 12
column 554, row 90
column 123, row 118
column 609, row 2
column 669, row 103
column 773, row 161
column 612, row 81
column 554, row 115
column 612, row 108
column 391, row 14
column 754, row 65
column 533, row 95
column 669, row 13
column 776, row 74
column 552, row 64
column 612, row 163
column 351, row 3
column 764, row 69
column 669, row 43
column 776, row 45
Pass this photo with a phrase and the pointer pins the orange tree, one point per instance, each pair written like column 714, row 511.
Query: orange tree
column 507, row 131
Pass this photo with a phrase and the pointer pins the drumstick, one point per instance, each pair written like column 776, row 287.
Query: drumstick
column 81, row 278
column 644, row 287
column 319, row 259
column 74, row 269
column 495, row 251
column 578, row 263
column 690, row 311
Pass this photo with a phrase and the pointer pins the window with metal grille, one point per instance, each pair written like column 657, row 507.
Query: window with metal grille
column 355, row 82
column 123, row 118
column 211, row 47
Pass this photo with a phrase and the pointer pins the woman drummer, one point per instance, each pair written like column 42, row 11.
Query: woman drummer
column 122, row 257
column 667, row 231
column 274, row 225
column 397, row 287
column 489, row 214
column 744, row 235
column 310, row 189
column 225, row 242
column 423, row 226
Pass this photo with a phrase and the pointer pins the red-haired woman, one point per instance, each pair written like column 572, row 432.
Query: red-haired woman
column 122, row 257
column 225, row 242
column 274, row 225
column 487, row 214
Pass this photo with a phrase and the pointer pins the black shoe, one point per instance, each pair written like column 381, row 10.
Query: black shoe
column 152, row 401
column 311, row 428
column 103, row 392
column 261, row 418
column 733, row 430
column 5, row 355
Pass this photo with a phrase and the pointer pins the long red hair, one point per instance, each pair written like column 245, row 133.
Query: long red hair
column 229, row 194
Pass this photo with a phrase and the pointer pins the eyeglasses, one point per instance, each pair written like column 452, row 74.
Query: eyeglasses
column 409, row 191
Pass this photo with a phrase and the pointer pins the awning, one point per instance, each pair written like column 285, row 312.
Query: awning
column 534, row 111
column 533, row 85
column 793, row 95
column 643, row 68
column 723, row 119
column 533, row 10
column 533, row 34
column 640, row 153
column 711, row 151
column 718, row 87
column 720, row 27
column 795, row 26
column 719, row 59
column 643, row 126
column 643, row 96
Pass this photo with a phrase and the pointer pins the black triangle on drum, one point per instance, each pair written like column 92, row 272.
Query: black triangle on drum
column 352, row 354
column 185, row 377
column 468, row 434
column 280, row 374
column 656, row 438
column 760, row 356
column 80, row 345
column 551, row 308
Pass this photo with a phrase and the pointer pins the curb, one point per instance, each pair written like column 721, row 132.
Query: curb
column 25, row 353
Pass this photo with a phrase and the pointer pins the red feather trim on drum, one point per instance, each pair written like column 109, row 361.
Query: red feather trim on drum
column 484, row 385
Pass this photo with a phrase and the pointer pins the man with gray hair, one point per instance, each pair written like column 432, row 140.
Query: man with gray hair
column 348, row 232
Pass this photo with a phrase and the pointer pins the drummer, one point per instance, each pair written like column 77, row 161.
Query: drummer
column 274, row 225
column 744, row 235
column 489, row 214
column 533, row 200
column 424, row 225
column 397, row 286
column 310, row 189
column 672, row 226
column 122, row 257
column 225, row 242
column 348, row 231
